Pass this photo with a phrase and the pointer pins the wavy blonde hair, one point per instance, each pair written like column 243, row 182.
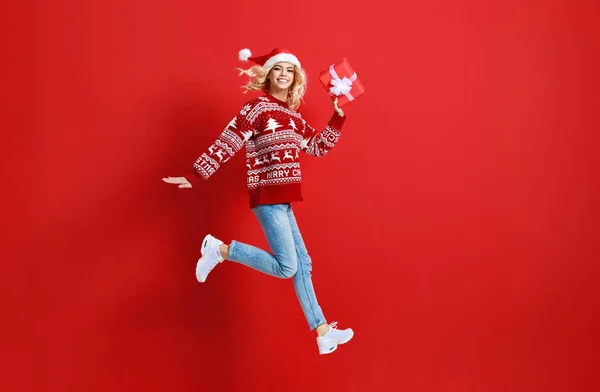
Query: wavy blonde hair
column 258, row 81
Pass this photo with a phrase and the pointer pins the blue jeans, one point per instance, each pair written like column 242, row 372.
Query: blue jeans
column 289, row 259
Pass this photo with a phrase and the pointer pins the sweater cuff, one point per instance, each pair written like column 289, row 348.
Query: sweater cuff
column 337, row 121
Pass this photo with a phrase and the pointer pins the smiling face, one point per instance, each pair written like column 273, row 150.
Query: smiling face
column 281, row 77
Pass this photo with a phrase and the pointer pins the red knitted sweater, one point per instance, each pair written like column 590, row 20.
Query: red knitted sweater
column 274, row 135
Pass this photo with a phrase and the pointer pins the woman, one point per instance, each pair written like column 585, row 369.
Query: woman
column 274, row 134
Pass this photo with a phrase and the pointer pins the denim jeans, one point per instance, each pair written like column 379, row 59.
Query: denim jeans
column 289, row 259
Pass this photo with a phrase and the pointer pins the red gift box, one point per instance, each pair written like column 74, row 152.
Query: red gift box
column 341, row 81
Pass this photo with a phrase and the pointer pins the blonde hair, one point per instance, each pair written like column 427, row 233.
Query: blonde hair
column 258, row 81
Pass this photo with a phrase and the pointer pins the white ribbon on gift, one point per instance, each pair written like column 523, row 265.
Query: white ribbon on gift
column 341, row 86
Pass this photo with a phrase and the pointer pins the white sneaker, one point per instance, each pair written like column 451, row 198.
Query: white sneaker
column 329, row 342
column 210, row 257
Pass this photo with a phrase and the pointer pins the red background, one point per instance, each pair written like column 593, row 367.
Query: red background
column 454, row 226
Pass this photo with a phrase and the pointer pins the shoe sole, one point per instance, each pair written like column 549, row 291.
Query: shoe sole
column 198, row 265
column 201, row 259
column 330, row 350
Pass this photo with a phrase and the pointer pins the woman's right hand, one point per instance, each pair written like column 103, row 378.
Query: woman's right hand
column 181, row 181
column 337, row 109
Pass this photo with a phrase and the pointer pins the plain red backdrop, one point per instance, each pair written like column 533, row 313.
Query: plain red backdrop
column 454, row 226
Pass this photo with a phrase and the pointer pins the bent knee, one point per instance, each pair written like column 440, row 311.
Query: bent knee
column 287, row 266
column 288, row 272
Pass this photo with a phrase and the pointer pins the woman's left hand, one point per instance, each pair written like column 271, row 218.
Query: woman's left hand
column 182, row 182
column 337, row 109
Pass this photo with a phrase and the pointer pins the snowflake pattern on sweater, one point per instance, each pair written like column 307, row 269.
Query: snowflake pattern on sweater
column 274, row 135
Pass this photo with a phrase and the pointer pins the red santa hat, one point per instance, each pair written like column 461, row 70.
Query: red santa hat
column 275, row 56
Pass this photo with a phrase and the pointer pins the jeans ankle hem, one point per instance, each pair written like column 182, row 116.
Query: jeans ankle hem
column 231, row 249
column 314, row 326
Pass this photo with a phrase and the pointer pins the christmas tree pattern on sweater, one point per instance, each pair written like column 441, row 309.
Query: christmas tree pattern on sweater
column 274, row 135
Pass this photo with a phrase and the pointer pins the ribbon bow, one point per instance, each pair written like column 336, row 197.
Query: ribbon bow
column 341, row 86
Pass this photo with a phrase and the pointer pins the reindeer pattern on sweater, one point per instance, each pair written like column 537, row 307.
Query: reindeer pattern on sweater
column 273, row 135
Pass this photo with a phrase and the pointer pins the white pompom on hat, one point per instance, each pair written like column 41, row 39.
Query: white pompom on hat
column 266, row 61
column 245, row 54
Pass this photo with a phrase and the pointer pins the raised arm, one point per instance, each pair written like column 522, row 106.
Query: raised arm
column 318, row 144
